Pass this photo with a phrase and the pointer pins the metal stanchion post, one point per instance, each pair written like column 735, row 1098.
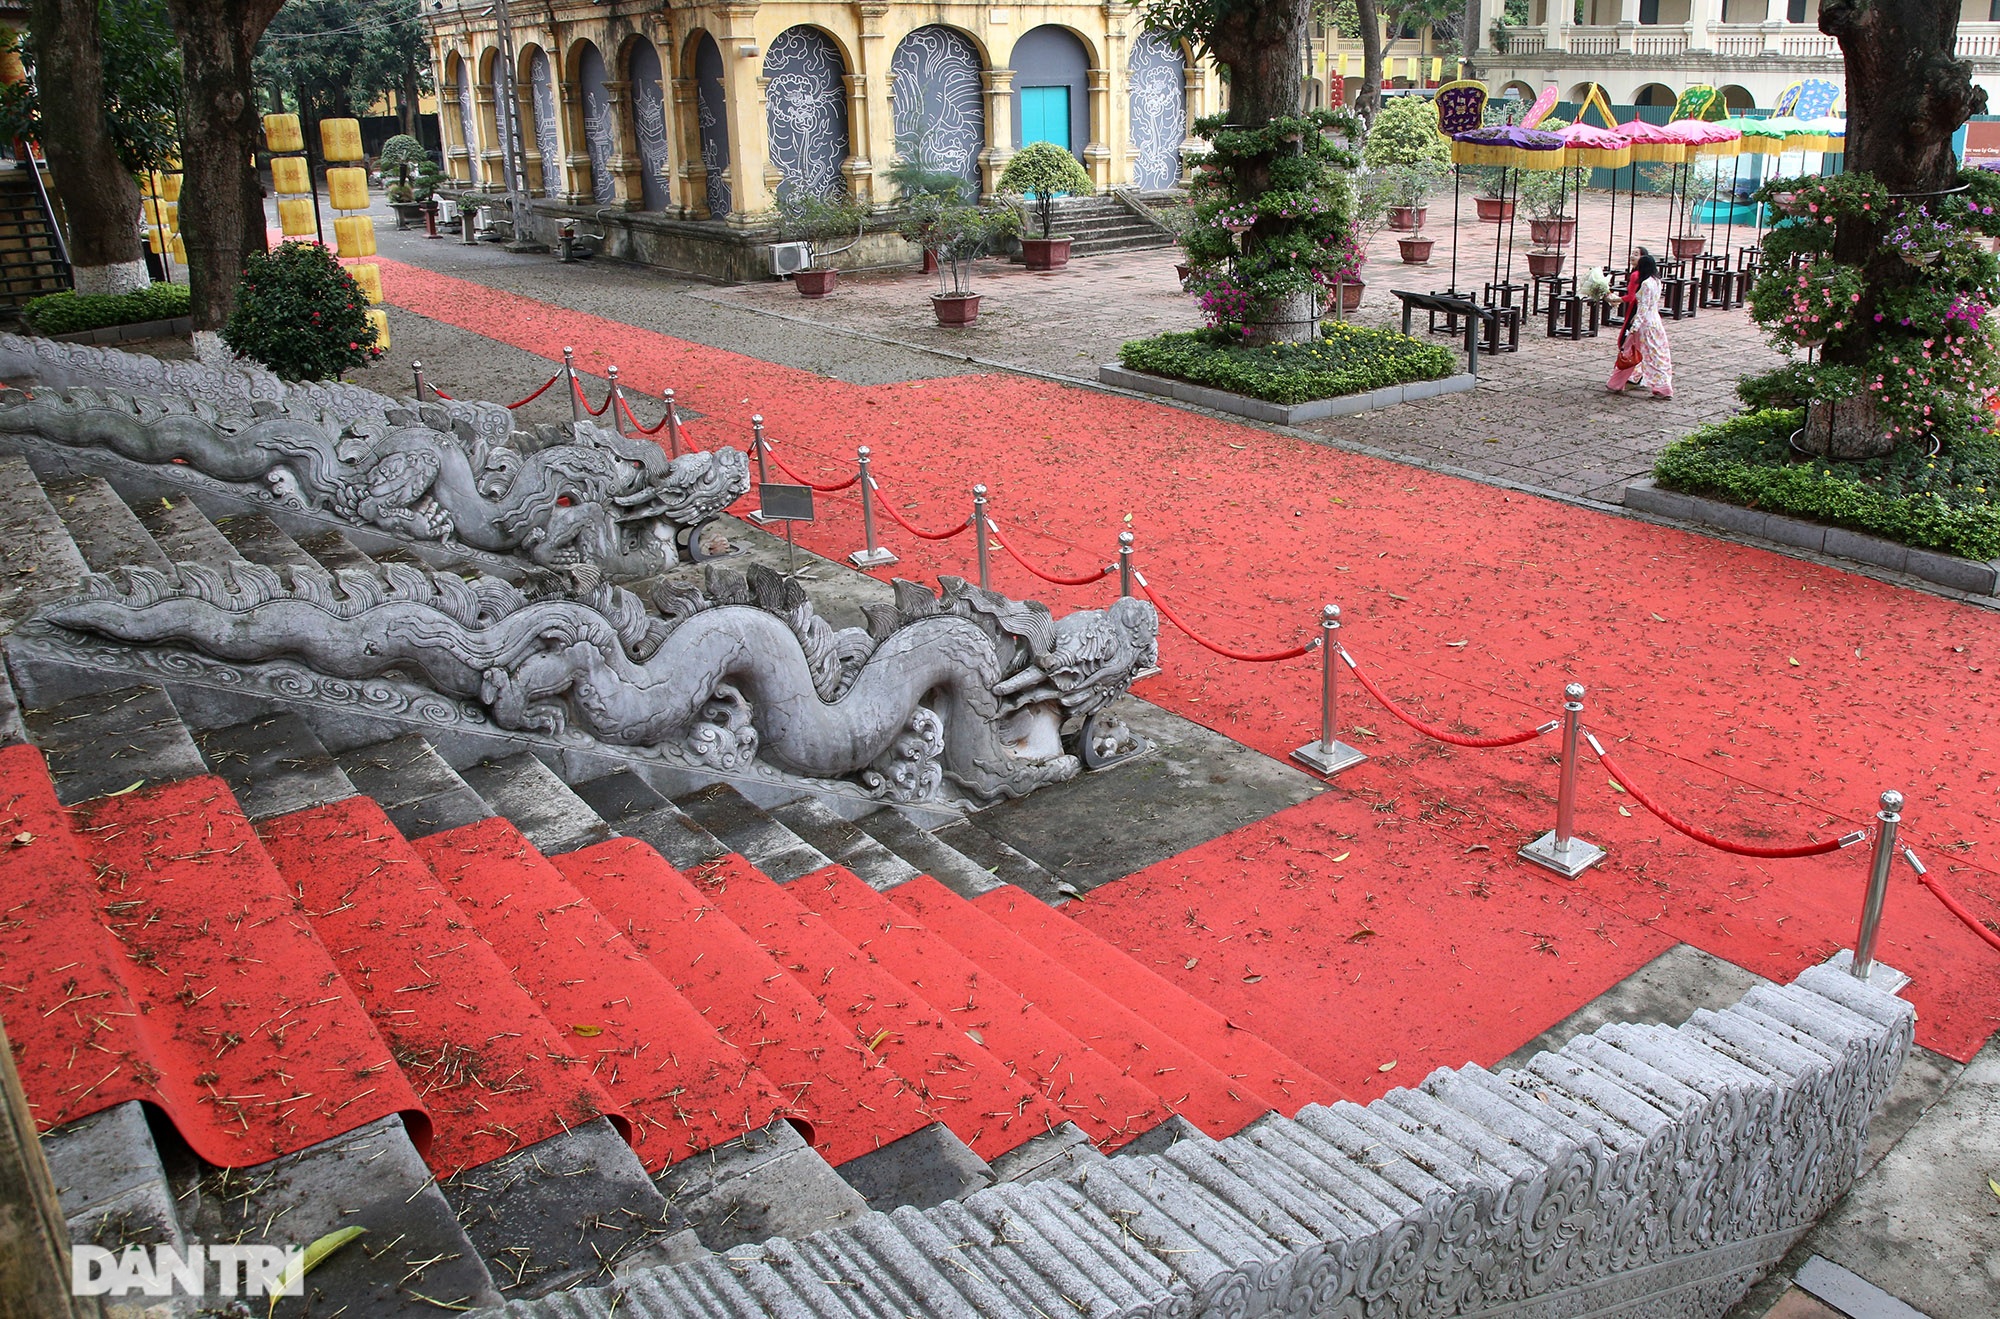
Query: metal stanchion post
column 1327, row 756
column 1124, row 563
column 871, row 555
column 979, row 530
column 1560, row 849
column 1890, row 819
column 569, row 374
column 617, row 421
column 417, row 370
column 673, row 424
column 757, row 447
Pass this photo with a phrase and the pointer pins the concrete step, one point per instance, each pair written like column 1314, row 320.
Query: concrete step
column 1006, row 865
column 844, row 842
column 274, row 765
column 184, row 533
column 929, row 853
column 101, row 742
column 260, row 540
column 416, row 789
column 540, row 804
column 334, row 551
column 105, row 529
column 38, row 560
column 765, row 1183
column 637, row 811
column 751, row 833
column 108, row 1177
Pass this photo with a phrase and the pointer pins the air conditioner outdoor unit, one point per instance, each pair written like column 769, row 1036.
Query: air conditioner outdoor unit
column 790, row 258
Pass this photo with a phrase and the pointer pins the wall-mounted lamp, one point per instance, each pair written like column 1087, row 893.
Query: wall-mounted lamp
column 749, row 51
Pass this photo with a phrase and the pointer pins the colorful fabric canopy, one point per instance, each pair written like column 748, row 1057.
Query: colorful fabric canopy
column 1707, row 139
column 1835, row 129
column 1653, row 143
column 1799, row 136
column 1758, row 139
column 1588, row 145
column 1509, row 145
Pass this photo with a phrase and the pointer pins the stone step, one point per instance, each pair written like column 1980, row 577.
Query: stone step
column 928, row 853
column 416, row 789
column 540, row 804
column 183, row 532
column 261, row 540
column 635, row 810
column 109, row 1180
column 1006, row 865
column 844, row 842
column 275, row 765
column 1099, row 247
column 751, row 833
column 104, row 527
column 38, row 560
column 334, row 550
column 765, row 1183
column 101, row 742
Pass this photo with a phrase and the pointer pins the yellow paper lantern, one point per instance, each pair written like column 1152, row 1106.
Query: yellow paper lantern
column 295, row 217
column 156, row 239
column 347, row 189
column 170, row 187
column 282, row 133
column 370, row 280
column 354, row 235
column 180, row 250
column 340, row 139
column 380, row 320
column 288, row 175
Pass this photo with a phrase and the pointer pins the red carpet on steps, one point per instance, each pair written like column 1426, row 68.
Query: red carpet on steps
column 1078, row 1082
column 1764, row 697
column 955, row 1081
column 494, row 1073
column 654, row 1054
column 1188, row 1084
column 1231, row 1050
column 854, row 1103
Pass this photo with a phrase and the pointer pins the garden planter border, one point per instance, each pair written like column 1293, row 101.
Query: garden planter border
column 1281, row 414
column 1935, row 566
column 177, row 327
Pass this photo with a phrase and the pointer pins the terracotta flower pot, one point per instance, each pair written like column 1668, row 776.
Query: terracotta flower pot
column 956, row 308
column 1045, row 253
column 1494, row 210
column 930, row 262
column 1350, row 295
column 1683, row 248
column 1545, row 263
column 1182, row 272
column 815, row 283
column 1408, row 217
column 1552, row 233
column 1416, row 251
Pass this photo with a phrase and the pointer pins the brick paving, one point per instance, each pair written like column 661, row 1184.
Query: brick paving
column 1540, row 417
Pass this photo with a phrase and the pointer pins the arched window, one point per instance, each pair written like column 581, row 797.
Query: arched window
column 649, row 123
column 712, row 121
column 542, row 89
column 805, row 93
column 939, row 101
column 591, row 78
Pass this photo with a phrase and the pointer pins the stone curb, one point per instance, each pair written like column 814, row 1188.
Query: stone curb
column 1283, row 414
column 1968, row 575
column 174, row 327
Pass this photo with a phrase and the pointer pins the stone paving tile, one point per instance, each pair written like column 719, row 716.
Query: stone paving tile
column 1064, row 323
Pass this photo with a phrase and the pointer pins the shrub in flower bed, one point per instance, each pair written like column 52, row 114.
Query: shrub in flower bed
column 1346, row 359
column 301, row 314
column 74, row 313
column 1949, row 501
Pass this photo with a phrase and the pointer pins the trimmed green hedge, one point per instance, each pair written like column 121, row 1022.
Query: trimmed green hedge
column 1347, row 359
column 1950, row 502
column 73, row 313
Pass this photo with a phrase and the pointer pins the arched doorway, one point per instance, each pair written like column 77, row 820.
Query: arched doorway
column 1158, row 76
column 591, row 77
column 805, row 114
column 712, row 121
column 649, row 123
column 1735, row 100
column 460, row 80
column 939, row 101
column 1051, row 88
column 542, row 94
column 1654, row 93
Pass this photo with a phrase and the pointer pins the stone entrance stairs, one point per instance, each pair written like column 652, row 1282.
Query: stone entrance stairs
column 1105, row 224
column 629, row 1053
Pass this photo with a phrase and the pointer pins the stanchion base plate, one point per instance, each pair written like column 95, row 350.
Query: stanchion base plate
column 1568, row 862
column 875, row 558
column 1885, row 978
column 1328, row 761
column 756, row 515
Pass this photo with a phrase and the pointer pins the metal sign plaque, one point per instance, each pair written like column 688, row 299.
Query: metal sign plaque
column 785, row 503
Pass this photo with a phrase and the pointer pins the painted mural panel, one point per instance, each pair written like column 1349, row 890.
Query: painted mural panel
column 542, row 85
column 712, row 120
column 649, row 122
column 938, row 102
column 806, row 110
column 596, row 121
column 466, row 120
column 1159, row 110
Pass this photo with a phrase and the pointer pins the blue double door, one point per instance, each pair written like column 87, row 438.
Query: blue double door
column 1045, row 115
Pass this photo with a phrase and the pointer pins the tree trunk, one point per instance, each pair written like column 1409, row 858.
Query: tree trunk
column 1368, row 97
column 1906, row 93
column 407, row 100
column 98, row 192
column 222, row 214
column 1847, row 428
column 1469, row 35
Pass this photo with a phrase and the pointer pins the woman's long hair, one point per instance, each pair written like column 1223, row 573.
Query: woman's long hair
column 1647, row 267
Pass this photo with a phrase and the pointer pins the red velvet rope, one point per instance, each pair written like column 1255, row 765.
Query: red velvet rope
column 537, row 394
column 626, row 408
column 1271, row 657
column 897, row 518
column 1051, row 578
column 577, row 385
column 1957, row 909
column 439, row 393
column 1701, row 836
column 1432, row 730
column 784, row 467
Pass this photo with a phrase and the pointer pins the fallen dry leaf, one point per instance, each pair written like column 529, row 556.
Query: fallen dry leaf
column 1251, row 980
column 1616, row 786
column 1343, row 856
column 23, row 839
column 587, row 1031
column 1190, row 964
column 1389, row 1066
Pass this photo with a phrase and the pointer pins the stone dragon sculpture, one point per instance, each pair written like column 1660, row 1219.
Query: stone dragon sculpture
column 964, row 686
column 556, row 496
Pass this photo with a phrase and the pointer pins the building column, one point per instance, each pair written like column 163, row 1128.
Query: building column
column 1117, row 130
column 751, row 190
column 530, row 132
column 576, row 156
column 1097, row 155
column 999, row 85
column 625, row 162
column 1194, row 96
column 871, row 112
column 492, row 161
column 1703, row 15
column 1628, row 25
column 858, row 169
column 1556, row 24
column 690, row 176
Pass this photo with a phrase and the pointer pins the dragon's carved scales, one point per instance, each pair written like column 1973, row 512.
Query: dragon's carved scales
column 966, row 685
column 554, row 496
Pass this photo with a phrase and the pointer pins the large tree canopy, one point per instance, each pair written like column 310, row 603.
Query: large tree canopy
column 335, row 58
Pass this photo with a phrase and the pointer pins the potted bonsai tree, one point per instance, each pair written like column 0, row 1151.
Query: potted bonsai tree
column 401, row 156
column 820, row 223
column 1547, row 195
column 1495, row 200
column 1412, row 184
column 1040, row 173
column 960, row 233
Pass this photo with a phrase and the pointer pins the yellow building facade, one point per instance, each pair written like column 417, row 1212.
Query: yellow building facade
column 705, row 112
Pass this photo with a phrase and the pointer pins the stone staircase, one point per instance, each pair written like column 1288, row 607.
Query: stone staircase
column 618, row 1051
column 31, row 263
column 1106, row 224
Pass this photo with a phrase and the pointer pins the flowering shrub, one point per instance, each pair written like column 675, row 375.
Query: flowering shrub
column 1346, row 359
column 1920, row 236
column 1236, row 217
column 301, row 314
column 1222, row 300
column 1807, row 306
